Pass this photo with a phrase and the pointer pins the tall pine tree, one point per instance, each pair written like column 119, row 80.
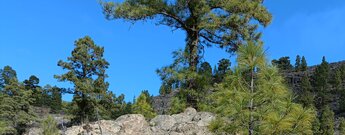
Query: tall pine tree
column 86, row 70
column 327, row 121
column 321, row 83
column 298, row 63
column 223, row 69
column 304, row 65
column 206, row 22
column 306, row 95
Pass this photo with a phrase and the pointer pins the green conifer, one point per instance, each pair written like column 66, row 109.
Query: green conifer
column 259, row 105
column 141, row 106
column 15, row 107
column 306, row 96
column 327, row 121
column 298, row 63
column 304, row 65
column 49, row 126
column 321, row 84
column 341, row 126
column 86, row 70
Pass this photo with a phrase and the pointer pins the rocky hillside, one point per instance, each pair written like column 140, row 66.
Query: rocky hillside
column 190, row 122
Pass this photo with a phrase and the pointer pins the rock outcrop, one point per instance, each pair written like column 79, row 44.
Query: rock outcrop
column 189, row 122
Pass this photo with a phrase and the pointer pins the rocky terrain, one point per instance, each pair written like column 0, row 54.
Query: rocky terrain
column 190, row 122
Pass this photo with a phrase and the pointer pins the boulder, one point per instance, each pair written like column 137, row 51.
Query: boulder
column 133, row 124
column 186, row 116
column 204, row 119
column 163, row 122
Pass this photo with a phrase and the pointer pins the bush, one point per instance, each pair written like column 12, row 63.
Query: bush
column 49, row 126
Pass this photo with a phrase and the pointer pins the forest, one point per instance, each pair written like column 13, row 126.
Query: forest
column 252, row 95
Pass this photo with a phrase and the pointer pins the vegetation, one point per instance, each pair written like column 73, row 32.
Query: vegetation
column 327, row 121
column 263, row 105
column 86, row 70
column 206, row 23
column 15, row 108
column 252, row 97
column 322, row 86
column 306, row 95
column 283, row 63
column 49, row 126
column 304, row 64
column 142, row 106
column 342, row 126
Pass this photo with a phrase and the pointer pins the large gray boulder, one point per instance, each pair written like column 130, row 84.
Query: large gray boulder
column 204, row 119
column 186, row 116
column 133, row 124
column 163, row 122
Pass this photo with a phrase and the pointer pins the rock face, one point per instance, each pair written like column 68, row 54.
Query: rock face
column 189, row 122
column 161, row 103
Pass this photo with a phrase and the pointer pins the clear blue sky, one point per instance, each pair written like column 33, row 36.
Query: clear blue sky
column 35, row 34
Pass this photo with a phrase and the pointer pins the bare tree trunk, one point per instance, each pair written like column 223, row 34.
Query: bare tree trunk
column 251, row 122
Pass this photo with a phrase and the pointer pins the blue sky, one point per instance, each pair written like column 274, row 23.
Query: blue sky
column 35, row 34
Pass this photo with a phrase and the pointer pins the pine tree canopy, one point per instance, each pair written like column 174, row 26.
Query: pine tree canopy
column 86, row 70
column 304, row 64
column 224, row 23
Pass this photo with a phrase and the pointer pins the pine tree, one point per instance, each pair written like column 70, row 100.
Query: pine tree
column 49, row 126
column 336, row 81
column 177, row 76
column 56, row 99
column 283, row 63
column 120, row 106
column 261, row 104
column 223, row 69
column 304, row 65
column 341, row 126
column 86, row 70
column 33, row 84
column 177, row 105
column 8, row 74
column 205, row 71
column 321, row 83
column 327, row 121
column 149, row 97
column 316, row 127
column 205, row 22
column 298, row 63
column 141, row 106
column 306, row 96
column 15, row 107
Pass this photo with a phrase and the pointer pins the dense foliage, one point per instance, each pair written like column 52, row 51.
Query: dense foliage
column 142, row 106
column 254, row 99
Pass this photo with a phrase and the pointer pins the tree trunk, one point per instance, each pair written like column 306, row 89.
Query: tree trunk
column 193, row 50
column 193, row 60
column 251, row 122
